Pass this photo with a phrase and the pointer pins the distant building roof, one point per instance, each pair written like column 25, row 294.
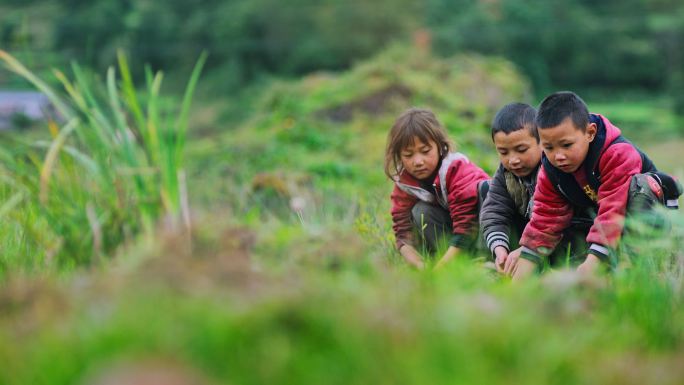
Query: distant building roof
column 33, row 105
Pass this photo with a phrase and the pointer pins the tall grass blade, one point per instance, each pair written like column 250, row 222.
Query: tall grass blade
column 10, row 204
column 182, row 121
column 84, row 160
column 51, row 159
column 130, row 96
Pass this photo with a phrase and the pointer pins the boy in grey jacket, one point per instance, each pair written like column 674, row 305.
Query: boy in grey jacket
column 508, row 206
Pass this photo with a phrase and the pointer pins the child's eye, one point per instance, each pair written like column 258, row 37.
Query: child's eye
column 425, row 151
column 522, row 150
column 567, row 145
column 548, row 148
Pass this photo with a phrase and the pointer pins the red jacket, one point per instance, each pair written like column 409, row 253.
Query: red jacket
column 456, row 185
column 552, row 212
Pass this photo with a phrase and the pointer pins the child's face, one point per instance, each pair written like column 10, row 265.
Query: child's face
column 565, row 145
column 518, row 151
column 420, row 159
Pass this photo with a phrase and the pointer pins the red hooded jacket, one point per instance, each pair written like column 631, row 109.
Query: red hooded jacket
column 456, row 185
column 617, row 163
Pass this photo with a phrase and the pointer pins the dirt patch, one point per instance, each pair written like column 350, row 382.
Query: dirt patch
column 146, row 372
column 28, row 304
column 287, row 185
column 373, row 104
column 639, row 368
column 202, row 260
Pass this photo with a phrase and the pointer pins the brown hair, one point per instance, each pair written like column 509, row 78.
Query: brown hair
column 413, row 123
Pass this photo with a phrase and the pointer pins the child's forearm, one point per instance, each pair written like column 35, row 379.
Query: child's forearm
column 411, row 256
column 450, row 254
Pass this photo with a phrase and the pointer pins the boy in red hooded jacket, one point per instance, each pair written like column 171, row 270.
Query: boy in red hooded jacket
column 587, row 167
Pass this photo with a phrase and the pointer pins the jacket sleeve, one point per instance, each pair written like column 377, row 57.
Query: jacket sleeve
column 497, row 214
column 463, row 181
column 551, row 215
column 617, row 166
column 402, row 203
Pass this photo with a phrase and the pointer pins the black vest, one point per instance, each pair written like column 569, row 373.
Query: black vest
column 566, row 184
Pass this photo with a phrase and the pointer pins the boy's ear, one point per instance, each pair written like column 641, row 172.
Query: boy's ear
column 591, row 131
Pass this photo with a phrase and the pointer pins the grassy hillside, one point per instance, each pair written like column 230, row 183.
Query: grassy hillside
column 286, row 272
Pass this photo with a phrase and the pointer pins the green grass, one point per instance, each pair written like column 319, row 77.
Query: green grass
column 287, row 272
column 114, row 168
column 645, row 118
column 649, row 122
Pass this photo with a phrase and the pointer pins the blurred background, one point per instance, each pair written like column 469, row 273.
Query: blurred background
column 611, row 49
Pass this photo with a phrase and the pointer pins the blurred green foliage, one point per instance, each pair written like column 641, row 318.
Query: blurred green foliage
column 114, row 167
column 570, row 44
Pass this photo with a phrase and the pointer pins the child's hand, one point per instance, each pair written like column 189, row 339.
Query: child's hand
column 501, row 255
column 590, row 265
column 440, row 264
column 511, row 260
column 450, row 254
column 523, row 269
column 412, row 256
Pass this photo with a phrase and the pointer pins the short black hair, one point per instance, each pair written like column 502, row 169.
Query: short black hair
column 513, row 117
column 555, row 108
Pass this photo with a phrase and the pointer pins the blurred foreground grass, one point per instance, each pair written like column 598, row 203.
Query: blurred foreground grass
column 226, row 312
